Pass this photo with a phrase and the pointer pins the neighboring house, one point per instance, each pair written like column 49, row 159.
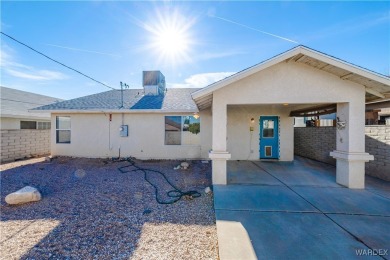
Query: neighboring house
column 378, row 113
column 384, row 116
column 24, row 134
column 15, row 106
column 247, row 116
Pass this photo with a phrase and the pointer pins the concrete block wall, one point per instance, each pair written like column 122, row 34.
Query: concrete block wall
column 378, row 144
column 24, row 143
column 316, row 143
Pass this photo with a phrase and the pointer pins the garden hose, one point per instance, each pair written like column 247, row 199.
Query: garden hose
column 175, row 193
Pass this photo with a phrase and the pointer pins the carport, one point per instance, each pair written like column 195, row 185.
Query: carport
column 293, row 210
column 252, row 111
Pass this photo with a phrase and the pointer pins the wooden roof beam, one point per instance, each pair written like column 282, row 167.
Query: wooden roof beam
column 374, row 92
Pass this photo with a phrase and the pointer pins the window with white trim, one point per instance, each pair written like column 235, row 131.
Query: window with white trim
column 63, row 129
column 182, row 130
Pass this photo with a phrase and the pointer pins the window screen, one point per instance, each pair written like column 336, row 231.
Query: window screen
column 43, row 125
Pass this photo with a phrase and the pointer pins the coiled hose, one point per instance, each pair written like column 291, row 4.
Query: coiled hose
column 175, row 193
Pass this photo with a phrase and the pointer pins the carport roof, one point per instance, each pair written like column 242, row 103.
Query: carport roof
column 377, row 85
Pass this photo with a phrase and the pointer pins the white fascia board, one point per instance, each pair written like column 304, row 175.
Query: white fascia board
column 346, row 66
column 127, row 111
column 286, row 55
column 27, row 117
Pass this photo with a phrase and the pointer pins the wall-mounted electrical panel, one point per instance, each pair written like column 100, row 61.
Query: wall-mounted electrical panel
column 124, row 130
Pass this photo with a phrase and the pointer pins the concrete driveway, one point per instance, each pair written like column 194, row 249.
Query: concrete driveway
column 274, row 210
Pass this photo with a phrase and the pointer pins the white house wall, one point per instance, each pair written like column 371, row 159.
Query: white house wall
column 11, row 123
column 244, row 144
column 94, row 136
column 283, row 83
column 291, row 83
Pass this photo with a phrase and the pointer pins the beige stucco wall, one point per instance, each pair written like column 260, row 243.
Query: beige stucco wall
column 10, row 123
column 297, row 85
column 93, row 135
column 241, row 141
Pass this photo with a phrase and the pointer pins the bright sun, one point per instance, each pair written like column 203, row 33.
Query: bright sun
column 171, row 41
column 170, row 37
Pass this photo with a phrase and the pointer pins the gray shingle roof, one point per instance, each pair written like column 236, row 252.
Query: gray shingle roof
column 17, row 103
column 133, row 99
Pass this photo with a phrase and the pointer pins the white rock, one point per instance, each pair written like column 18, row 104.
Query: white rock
column 184, row 168
column 185, row 164
column 27, row 194
column 207, row 190
column 177, row 167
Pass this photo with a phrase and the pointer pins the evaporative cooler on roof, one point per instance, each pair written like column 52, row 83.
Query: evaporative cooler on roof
column 153, row 83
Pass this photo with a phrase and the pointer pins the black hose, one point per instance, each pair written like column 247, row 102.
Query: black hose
column 174, row 193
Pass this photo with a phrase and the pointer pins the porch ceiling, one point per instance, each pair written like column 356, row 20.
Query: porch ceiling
column 315, row 111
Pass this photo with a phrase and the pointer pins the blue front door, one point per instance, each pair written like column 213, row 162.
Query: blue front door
column 269, row 137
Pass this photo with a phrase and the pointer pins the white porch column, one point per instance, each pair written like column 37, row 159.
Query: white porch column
column 350, row 145
column 219, row 153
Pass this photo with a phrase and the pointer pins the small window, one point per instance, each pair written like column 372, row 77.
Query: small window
column 268, row 151
column 268, row 128
column 173, row 130
column 182, row 130
column 28, row 124
column 44, row 125
column 63, row 129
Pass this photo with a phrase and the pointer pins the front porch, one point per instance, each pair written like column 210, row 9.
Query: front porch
column 299, row 82
column 301, row 171
column 295, row 210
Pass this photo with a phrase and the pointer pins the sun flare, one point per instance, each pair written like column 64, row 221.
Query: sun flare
column 170, row 37
column 172, row 41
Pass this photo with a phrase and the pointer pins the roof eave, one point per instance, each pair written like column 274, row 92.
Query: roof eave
column 285, row 56
column 128, row 111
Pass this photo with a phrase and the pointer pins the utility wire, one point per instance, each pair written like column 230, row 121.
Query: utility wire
column 62, row 64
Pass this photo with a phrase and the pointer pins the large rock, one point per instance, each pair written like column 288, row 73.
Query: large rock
column 27, row 194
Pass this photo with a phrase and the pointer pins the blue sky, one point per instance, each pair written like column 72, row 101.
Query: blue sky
column 116, row 41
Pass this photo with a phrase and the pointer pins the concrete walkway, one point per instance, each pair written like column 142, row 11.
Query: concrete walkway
column 276, row 210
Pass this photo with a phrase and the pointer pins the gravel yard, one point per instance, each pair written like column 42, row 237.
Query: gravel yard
column 90, row 210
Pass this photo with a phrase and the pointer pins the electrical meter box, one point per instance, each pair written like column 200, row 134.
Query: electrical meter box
column 124, row 130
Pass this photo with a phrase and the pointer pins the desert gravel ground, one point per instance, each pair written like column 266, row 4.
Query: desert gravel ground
column 90, row 210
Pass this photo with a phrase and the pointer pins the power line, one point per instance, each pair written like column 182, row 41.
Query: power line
column 55, row 60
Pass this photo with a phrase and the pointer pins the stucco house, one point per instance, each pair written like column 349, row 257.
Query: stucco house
column 15, row 106
column 247, row 116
